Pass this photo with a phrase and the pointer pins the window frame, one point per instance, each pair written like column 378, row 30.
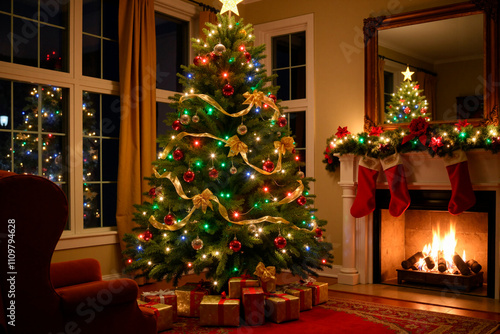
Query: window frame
column 76, row 83
column 263, row 35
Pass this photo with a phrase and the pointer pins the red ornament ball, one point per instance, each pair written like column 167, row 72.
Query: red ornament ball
column 273, row 97
column 228, row 90
column 282, row 122
column 176, row 125
column 178, row 155
column 213, row 56
column 407, row 110
column 147, row 235
column 319, row 232
column 152, row 192
column 248, row 56
column 169, row 219
column 301, row 200
column 268, row 166
column 213, row 173
column 197, row 60
column 188, row 176
column 280, row 242
column 235, row 245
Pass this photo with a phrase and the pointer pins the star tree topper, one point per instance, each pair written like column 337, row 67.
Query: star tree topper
column 407, row 74
column 230, row 5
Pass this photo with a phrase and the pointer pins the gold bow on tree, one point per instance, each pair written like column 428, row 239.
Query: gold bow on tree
column 265, row 273
column 286, row 144
column 258, row 98
column 236, row 146
column 203, row 200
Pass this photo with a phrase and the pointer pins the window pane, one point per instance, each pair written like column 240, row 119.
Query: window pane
column 110, row 116
column 5, row 151
column 91, row 114
column 26, row 8
column 91, row 63
column 298, row 83
column 52, row 110
column 109, row 160
column 5, row 47
column 283, row 81
column 25, row 153
column 110, row 60
column 54, row 12
column 92, row 17
column 91, row 166
column 298, row 48
column 52, row 48
column 5, row 6
column 53, row 164
column 281, row 49
column 162, row 111
column 25, row 42
column 110, row 24
column 91, row 205
column 171, row 51
column 5, row 116
column 297, row 123
column 109, row 204
column 25, row 106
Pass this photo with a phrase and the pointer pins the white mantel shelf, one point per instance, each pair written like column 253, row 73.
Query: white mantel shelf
column 422, row 172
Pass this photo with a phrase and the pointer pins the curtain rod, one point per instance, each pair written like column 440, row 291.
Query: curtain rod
column 205, row 7
column 417, row 68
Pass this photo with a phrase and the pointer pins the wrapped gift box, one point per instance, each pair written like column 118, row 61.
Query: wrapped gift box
column 304, row 294
column 237, row 283
column 282, row 307
column 219, row 311
column 164, row 314
column 253, row 305
column 167, row 297
column 319, row 292
column 267, row 276
column 189, row 297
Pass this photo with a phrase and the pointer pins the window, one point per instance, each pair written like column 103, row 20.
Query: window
column 291, row 58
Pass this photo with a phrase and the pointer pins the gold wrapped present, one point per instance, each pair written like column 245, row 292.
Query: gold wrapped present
column 167, row 297
column 219, row 311
column 189, row 297
column 304, row 294
column 319, row 292
column 282, row 307
column 253, row 305
column 237, row 283
column 267, row 277
column 164, row 314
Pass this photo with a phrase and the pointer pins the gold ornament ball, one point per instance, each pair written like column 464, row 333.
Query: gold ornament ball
column 242, row 129
column 252, row 228
column 219, row 49
column 197, row 243
column 185, row 119
column 300, row 174
column 195, row 119
column 233, row 170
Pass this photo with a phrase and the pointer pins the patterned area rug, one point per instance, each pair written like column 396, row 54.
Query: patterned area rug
column 353, row 316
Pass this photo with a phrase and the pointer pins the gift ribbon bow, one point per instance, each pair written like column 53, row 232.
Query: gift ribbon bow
column 236, row 146
column 286, row 144
column 265, row 273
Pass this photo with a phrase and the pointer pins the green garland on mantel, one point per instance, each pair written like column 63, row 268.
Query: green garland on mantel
column 436, row 139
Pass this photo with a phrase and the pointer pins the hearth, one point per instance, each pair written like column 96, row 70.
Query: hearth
column 428, row 248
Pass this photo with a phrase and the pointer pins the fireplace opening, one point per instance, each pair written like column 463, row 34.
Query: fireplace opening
column 428, row 248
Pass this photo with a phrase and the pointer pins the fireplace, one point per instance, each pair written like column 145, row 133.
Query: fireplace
column 426, row 176
column 428, row 248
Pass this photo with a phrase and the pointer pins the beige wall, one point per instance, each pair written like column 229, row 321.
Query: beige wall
column 339, row 78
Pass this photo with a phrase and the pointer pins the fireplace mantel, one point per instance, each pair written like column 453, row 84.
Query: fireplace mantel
column 423, row 172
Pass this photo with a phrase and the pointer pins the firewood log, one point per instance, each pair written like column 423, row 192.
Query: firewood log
column 461, row 265
column 407, row 264
column 474, row 266
column 429, row 262
column 441, row 263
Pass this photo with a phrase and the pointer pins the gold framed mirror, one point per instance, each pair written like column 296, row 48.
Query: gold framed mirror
column 453, row 51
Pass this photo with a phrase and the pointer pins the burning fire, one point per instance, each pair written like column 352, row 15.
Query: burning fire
column 441, row 247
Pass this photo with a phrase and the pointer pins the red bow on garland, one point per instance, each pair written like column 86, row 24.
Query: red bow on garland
column 418, row 128
column 461, row 124
column 342, row 132
column 376, row 131
column 436, row 143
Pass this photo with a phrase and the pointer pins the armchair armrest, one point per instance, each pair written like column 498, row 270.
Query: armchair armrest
column 97, row 295
column 75, row 272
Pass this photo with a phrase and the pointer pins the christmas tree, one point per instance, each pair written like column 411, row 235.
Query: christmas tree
column 407, row 103
column 227, row 191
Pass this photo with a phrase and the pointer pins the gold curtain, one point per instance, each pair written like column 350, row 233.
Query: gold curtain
column 206, row 16
column 137, row 47
column 381, row 101
column 428, row 83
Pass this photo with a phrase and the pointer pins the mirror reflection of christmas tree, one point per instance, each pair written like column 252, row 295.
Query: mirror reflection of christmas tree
column 407, row 103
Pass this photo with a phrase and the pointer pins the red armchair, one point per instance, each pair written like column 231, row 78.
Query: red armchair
column 67, row 297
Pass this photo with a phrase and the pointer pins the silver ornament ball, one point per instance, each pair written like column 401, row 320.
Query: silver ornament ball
column 185, row 119
column 252, row 228
column 197, row 243
column 219, row 49
column 195, row 119
column 233, row 170
column 242, row 129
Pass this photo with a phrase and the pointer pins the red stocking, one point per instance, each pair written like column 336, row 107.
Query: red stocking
column 364, row 203
column 395, row 174
column 462, row 195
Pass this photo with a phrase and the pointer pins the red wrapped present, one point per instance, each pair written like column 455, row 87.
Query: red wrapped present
column 167, row 297
column 189, row 298
column 237, row 283
column 219, row 311
column 282, row 307
column 253, row 305
column 319, row 291
column 164, row 314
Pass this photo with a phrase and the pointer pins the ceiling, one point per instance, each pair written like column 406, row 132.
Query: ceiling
column 439, row 41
